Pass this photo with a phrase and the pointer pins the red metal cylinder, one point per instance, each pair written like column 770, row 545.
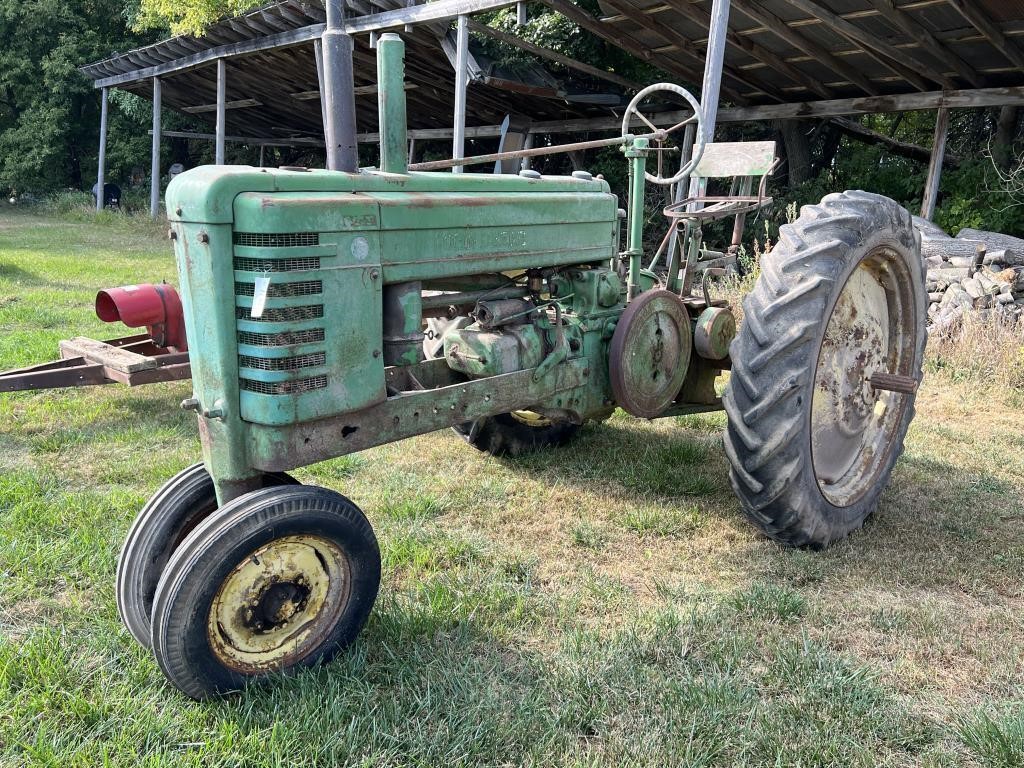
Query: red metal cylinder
column 157, row 307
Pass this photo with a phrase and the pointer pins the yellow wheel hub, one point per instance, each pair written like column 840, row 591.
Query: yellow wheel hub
column 531, row 419
column 279, row 604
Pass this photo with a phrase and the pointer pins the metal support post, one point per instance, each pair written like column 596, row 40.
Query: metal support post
column 339, row 92
column 221, row 131
column 712, row 87
column 636, row 155
column 931, row 186
column 461, row 78
column 154, row 169
column 318, row 56
column 528, row 144
column 101, row 170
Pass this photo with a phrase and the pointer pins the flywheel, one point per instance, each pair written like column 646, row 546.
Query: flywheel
column 650, row 352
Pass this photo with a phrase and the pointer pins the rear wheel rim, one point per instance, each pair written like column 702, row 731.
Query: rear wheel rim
column 279, row 604
column 870, row 330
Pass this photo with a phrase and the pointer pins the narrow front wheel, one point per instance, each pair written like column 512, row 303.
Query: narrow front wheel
column 277, row 579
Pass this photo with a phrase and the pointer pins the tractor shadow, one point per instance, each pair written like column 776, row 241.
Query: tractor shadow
column 23, row 278
column 937, row 525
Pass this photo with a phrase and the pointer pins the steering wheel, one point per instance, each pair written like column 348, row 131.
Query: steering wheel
column 658, row 135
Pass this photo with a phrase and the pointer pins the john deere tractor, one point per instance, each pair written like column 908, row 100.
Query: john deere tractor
column 328, row 312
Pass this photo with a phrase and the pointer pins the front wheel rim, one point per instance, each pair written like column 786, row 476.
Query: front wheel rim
column 871, row 330
column 279, row 604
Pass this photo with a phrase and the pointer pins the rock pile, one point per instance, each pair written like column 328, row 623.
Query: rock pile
column 977, row 273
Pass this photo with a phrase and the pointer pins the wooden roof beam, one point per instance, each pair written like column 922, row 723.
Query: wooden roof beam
column 872, row 43
column 778, row 27
column 981, row 22
column 630, row 44
column 919, row 33
column 558, row 58
column 752, row 49
column 685, row 46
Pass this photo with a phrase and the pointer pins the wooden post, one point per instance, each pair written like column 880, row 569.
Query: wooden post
column 101, row 171
column 221, row 99
column 461, row 77
column 154, row 170
column 931, row 186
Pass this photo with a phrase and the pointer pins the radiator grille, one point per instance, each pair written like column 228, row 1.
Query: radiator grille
column 275, row 240
column 282, row 339
column 282, row 314
column 294, row 387
column 283, row 363
column 283, row 290
column 295, row 264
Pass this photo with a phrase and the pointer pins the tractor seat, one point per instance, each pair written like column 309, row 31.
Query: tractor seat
column 742, row 161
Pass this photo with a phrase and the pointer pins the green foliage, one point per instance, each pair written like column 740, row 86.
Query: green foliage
column 190, row 17
column 49, row 112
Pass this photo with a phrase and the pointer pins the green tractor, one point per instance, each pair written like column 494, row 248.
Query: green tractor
column 329, row 312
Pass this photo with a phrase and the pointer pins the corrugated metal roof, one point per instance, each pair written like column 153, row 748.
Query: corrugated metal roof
column 779, row 51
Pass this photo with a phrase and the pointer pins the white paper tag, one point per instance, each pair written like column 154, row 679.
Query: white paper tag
column 259, row 296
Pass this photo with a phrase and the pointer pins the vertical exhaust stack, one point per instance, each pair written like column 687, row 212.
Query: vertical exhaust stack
column 339, row 92
column 394, row 151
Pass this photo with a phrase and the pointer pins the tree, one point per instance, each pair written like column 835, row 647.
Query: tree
column 49, row 112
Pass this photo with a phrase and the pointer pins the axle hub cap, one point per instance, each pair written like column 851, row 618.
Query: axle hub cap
column 279, row 604
column 870, row 331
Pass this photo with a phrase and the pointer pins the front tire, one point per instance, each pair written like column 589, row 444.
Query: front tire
column 275, row 580
column 841, row 296
column 167, row 518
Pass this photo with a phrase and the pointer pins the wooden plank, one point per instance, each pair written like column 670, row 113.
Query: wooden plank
column 736, row 158
column 104, row 354
column 237, row 104
column 931, row 186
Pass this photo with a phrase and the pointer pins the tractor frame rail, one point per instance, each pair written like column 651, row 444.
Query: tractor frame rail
column 130, row 360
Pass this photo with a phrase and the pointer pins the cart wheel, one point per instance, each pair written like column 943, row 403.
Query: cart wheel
column 169, row 516
column 277, row 579
column 516, row 433
column 507, row 434
column 839, row 309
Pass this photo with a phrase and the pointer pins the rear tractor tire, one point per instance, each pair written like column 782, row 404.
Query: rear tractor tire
column 810, row 440
column 506, row 434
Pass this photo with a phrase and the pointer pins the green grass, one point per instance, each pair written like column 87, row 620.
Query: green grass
column 603, row 605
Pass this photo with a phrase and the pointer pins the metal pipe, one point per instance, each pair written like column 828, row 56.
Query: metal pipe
column 528, row 144
column 462, row 298
column 318, row 57
column 222, row 88
column 101, row 171
column 391, row 114
column 154, row 168
column 339, row 92
column 434, row 165
column 461, row 82
column 403, row 322
column 636, row 155
column 712, row 86
column 931, row 189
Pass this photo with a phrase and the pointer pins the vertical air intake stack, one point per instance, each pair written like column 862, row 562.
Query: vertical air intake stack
column 403, row 303
column 391, row 103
